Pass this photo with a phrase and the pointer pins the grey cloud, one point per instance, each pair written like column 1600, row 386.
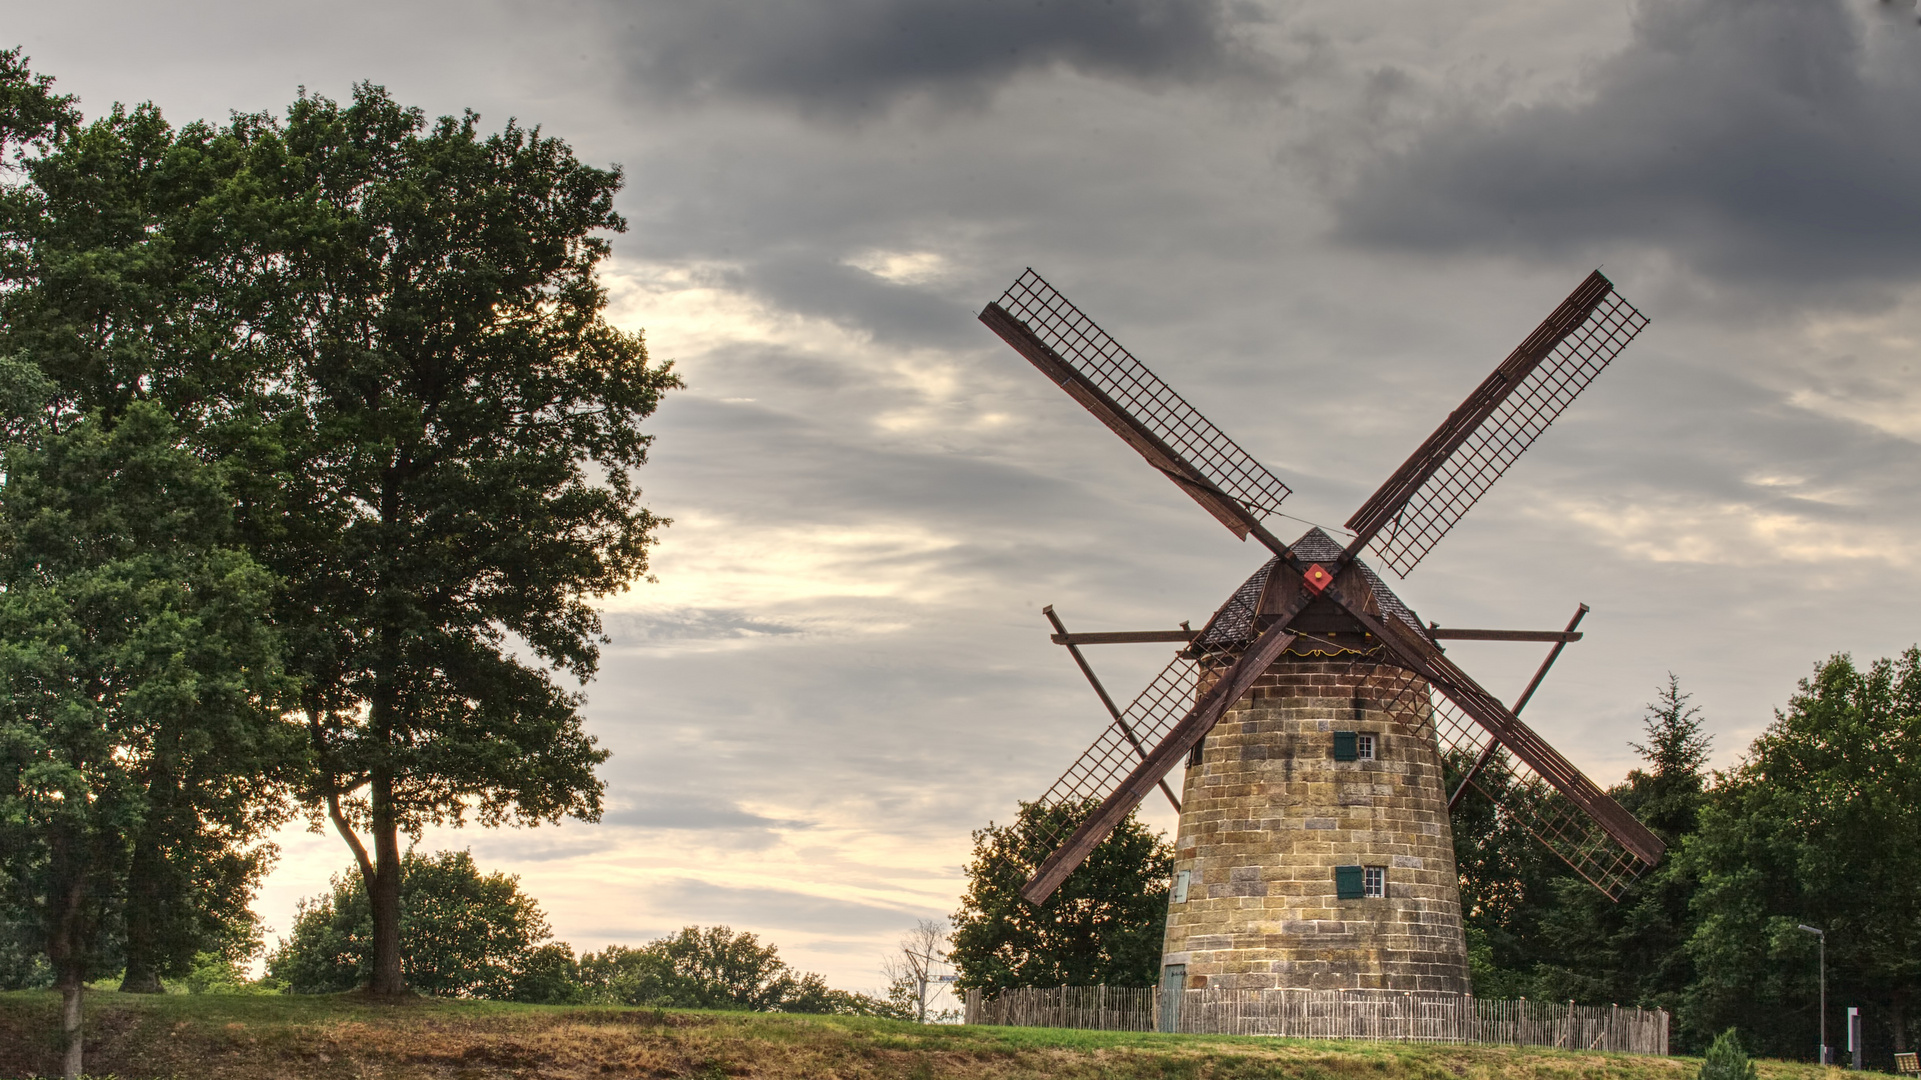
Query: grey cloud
column 849, row 57
column 656, row 809
column 780, row 908
column 892, row 313
column 760, row 911
column 690, row 624
column 1761, row 140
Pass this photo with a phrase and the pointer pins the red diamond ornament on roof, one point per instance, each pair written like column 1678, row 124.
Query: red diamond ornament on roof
column 1317, row 578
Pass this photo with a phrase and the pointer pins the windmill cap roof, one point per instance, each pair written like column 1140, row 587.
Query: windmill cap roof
column 1233, row 624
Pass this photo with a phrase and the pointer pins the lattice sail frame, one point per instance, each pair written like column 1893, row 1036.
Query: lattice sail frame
column 1152, row 715
column 1103, row 765
column 1521, row 795
column 1478, row 462
column 1109, row 367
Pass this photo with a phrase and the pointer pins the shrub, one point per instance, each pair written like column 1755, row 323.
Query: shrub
column 1726, row 1060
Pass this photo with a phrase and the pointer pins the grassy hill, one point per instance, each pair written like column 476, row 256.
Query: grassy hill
column 227, row 1038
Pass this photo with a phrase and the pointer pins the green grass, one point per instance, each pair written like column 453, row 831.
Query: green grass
column 219, row 1037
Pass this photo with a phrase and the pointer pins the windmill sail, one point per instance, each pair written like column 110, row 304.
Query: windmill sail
column 1535, row 785
column 1477, row 443
column 1521, row 795
column 1080, row 357
column 1102, row 766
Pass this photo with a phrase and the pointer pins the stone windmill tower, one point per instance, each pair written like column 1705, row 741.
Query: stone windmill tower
column 1319, row 724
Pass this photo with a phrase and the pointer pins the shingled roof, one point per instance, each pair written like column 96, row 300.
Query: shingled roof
column 1233, row 624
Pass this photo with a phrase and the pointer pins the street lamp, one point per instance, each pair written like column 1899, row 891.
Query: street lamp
column 1823, row 935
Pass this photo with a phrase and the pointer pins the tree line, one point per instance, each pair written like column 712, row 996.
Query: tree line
column 477, row 935
column 1817, row 824
column 315, row 450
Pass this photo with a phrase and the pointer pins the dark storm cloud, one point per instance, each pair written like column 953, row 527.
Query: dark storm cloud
column 857, row 56
column 1754, row 139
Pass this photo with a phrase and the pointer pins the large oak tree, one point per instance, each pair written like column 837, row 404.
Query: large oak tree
column 461, row 427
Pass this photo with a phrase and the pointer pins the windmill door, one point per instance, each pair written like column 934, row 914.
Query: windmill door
column 1173, row 982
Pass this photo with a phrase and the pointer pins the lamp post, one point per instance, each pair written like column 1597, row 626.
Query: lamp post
column 1823, row 935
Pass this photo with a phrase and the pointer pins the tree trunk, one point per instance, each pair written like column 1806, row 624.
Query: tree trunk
column 66, row 945
column 146, row 903
column 384, row 893
column 70, row 991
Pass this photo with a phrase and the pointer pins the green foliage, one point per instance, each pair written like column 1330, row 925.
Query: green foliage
column 23, row 955
column 469, row 423
column 549, row 975
column 1534, row 929
column 1633, row 950
column 1508, row 879
column 1104, row 925
column 133, row 640
column 122, row 290
column 1820, row 824
column 714, row 968
column 385, row 339
column 900, row 999
column 468, row 935
column 1726, row 1060
column 29, row 109
column 219, row 973
column 460, row 427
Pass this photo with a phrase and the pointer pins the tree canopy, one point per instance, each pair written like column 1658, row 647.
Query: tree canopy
column 137, row 667
column 1821, row 824
column 712, row 968
column 378, row 347
column 468, row 934
column 1634, row 949
column 1103, row 926
column 460, row 427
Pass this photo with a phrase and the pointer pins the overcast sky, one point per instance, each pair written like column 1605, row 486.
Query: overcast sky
column 1323, row 222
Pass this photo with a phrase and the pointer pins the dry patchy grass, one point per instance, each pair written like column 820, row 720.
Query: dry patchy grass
column 349, row 1038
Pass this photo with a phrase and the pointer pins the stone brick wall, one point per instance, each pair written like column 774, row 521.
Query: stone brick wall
column 1267, row 815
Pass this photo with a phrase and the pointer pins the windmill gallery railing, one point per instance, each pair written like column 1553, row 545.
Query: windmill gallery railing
column 1378, row 1015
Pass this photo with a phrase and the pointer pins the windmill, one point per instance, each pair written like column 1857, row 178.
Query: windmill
column 1316, row 715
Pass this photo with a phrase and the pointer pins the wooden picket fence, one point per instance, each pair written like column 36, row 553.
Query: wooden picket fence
column 1381, row 1015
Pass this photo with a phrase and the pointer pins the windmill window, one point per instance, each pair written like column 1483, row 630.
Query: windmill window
column 1348, row 882
column 1374, row 881
column 1180, row 886
column 1364, row 746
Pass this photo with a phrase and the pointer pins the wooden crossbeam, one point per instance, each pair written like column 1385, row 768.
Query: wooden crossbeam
column 1458, row 634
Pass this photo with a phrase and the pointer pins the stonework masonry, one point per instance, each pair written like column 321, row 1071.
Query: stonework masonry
column 1268, row 814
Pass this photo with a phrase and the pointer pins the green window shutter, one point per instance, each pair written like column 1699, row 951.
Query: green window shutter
column 1345, row 747
column 1347, row 882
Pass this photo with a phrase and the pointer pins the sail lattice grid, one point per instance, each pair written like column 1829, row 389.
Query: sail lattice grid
column 1151, row 715
column 1141, row 394
column 1494, row 445
column 1520, row 795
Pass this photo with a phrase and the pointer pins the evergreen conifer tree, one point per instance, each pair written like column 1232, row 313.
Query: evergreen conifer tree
column 1726, row 1060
